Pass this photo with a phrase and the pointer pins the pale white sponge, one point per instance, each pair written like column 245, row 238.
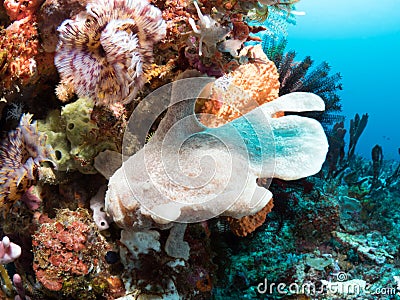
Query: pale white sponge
column 190, row 173
column 97, row 206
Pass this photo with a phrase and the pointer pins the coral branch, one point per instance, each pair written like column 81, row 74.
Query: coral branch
column 357, row 127
column 377, row 163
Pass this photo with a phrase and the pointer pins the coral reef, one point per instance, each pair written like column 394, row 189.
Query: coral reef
column 251, row 124
column 313, row 239
column 151, row 272
column 210, row 32
column 103, row 53
column 69, row 255
column 20, row 62
column 76, row 138
column 377, row 164
column 17, row 10
column 23, row 63
column 51, row 14
column 247, row 224
column 336, row 151
column 337, row 161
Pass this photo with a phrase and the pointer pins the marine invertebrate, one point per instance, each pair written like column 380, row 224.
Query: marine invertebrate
column 26, row 71
column 364, row 245
column 377, row 163
column 357, row 126
column 51, row 14
column 140, row 242
column 204, row 282
column 32, row 198
column 8, row 251
column 247, row 224
column 25, row 62
column 274, row 18
column 242, row 90
column 210, row 32
column 337, row 160
column 19, row 287
column 151, row 270
column 97, row 206
column 15, row 111
column 18, row 10
column 178, row 188
column 394, row 177
column 77, row 139
column 336, row 154
column 175, row 246
column 175, row 13
column 300, row 77
column 68, row 249
column 261, row 11
column 104, row 52
column 21, row 43
column 195, row 61
column 21, row 154
column 316, row 218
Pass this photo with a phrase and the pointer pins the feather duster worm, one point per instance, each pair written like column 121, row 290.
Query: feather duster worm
column 20, row 156
column 104, row 52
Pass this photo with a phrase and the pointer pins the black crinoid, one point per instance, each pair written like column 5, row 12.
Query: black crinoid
column 301, row 76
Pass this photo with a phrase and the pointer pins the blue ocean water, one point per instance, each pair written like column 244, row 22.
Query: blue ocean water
column 361, row 40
